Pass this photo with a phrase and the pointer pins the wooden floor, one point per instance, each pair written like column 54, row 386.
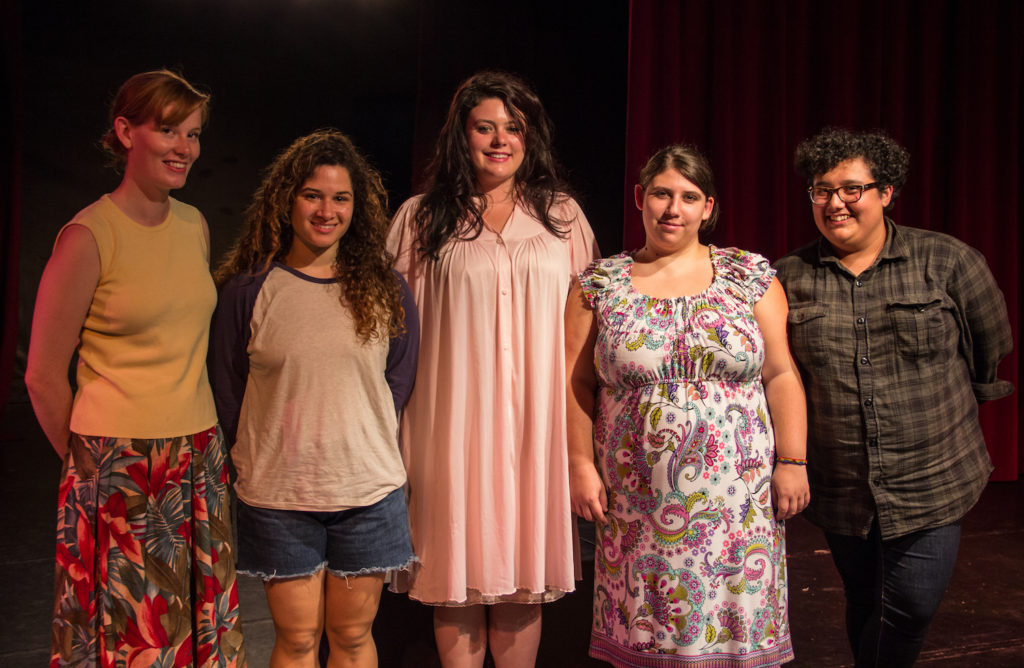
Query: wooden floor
column 980, row 623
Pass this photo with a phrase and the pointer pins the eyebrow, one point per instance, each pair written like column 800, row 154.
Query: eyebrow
column 844, row 182
column 488, row 121
column 666, row 189
column 311, row 189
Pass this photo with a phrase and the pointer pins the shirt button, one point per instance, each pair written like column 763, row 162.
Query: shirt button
column 868, row 402
column 501, row 242
column 504, row 291
column 863, row 360
column 860, row 320
column 860, row 283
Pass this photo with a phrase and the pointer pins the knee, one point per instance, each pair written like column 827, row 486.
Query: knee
column 912, row 604
column 297, row 642
column 864, row 594
column 350, row 638
column 514, row 617
column 911, row 611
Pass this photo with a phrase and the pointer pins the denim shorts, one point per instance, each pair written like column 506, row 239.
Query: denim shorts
column 295, row 543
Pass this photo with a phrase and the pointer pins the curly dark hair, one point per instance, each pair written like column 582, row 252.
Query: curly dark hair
column 887, row 160
column 451, row 206
column 146, row 97
column 370, row 289
column 691, row 163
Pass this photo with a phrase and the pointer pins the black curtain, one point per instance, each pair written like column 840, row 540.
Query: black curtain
column 10, row 192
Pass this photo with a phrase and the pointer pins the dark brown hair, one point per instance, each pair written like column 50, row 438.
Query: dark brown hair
column 692, row 164
column 451, row 206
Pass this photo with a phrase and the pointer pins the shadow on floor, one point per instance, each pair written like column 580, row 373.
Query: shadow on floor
column 980, row 623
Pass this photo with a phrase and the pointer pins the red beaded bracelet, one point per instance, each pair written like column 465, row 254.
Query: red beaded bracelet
column 791, row 460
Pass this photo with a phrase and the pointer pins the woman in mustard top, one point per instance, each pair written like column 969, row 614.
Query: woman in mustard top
column 145, row 573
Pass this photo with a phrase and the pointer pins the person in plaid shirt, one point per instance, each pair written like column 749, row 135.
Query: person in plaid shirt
column 897, row 332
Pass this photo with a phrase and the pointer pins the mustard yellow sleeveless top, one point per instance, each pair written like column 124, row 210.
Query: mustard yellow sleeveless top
column 142, row 356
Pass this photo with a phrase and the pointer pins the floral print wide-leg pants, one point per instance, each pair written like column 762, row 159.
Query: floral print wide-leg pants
column 145, row 573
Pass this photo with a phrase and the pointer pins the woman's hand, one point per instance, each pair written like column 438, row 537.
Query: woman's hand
column 790, row 490
column 586, row 489
column 785, row 394
column 587, row 495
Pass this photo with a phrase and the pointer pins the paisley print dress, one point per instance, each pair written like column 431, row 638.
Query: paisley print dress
column 690, row 569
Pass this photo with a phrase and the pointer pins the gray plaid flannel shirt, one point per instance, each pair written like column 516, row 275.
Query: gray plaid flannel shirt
column 895, row 362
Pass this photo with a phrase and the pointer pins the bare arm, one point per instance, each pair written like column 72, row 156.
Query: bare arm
column 586, row 490
column 62, row 303
column 785, row 394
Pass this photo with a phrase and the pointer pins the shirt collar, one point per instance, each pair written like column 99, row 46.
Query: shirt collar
column 895, row 247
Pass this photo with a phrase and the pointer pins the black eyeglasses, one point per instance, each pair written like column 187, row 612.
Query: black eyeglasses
column 820, row 195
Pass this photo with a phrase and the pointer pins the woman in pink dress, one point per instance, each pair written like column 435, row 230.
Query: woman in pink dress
column 488, row 251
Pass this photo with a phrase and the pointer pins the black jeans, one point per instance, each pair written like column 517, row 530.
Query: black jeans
column 893, row 588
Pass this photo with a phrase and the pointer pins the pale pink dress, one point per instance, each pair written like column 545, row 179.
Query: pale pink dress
column 483, row 436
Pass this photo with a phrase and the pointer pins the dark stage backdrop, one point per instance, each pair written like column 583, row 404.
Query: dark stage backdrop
column 276, row 70
column 743, row 79
column 10, row 191
column 382, row 71
column 746, row 81
column 574, row 54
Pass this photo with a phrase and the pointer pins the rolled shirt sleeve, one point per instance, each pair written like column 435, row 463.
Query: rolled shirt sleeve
column 985, row 328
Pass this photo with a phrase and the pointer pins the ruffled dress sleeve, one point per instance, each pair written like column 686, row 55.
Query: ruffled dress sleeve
column 748, row 274
column 600, row 278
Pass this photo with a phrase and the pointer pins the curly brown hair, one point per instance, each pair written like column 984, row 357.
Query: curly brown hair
column 369, row 287
column 451, row 206
column 887, row 160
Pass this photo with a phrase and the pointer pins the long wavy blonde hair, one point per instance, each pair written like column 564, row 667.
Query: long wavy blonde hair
column 370, row 289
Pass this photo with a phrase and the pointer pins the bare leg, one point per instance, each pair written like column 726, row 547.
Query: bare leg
column 349, row 611
column 514, row 634
column 461, row 635
column 297, row 606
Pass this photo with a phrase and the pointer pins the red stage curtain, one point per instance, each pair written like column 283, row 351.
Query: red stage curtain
column 746, row 81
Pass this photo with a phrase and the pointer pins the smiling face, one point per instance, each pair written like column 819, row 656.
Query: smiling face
column 673, row 209
column 496, row 147
column 852, row 227
column 321, row 214
column 160, row 155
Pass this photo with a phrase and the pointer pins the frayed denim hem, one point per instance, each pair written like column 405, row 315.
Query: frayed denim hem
column 370, row 571
column 268, row 577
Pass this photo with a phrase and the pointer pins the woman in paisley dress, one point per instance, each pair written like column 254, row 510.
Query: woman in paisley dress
column 686, row 436
column 145, row 572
